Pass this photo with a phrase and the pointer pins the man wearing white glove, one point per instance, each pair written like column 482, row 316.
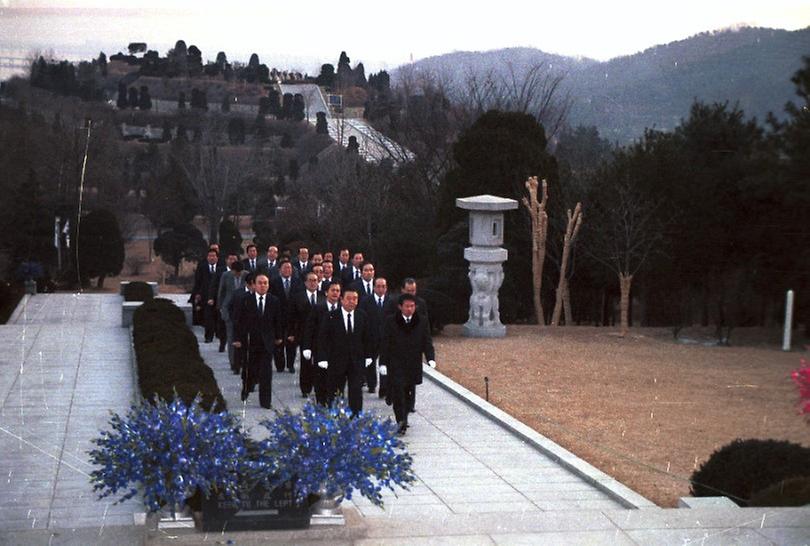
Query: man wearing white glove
column 406, row 339
column 302, row 305
column 344, row 350
column 309, row 339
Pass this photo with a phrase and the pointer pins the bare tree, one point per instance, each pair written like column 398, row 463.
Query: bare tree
column 628, row 229
column 537, row 212
column 537, row 92
column 571, row 232
column 341, row 200
column 214, row 171
column 422, row 129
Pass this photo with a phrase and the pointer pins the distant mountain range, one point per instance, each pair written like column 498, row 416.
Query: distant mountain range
column 655, row 88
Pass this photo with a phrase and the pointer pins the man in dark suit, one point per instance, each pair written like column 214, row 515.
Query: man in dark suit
column 204, row 293
column 284, row 287
column 365, row 284
column 344, row 350
column 230, row 283
column 353, row 273
column 302, row 265
column 409, row 287
column 269, row 263
column 318, row 270
column 259, row 329
column 251, row 263
column 240, row 356
column 328, row 276
column 406, row 337
column 309, row 339
column 222, row 326
column 342, row 263
column 302, row 305
column 377, row 308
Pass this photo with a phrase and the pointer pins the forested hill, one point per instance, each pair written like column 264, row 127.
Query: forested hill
column 655, row 88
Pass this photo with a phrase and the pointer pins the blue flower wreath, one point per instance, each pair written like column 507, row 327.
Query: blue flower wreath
column 171, row 450
column 331, row 448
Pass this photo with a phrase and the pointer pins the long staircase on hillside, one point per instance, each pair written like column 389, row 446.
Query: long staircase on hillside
column 374, row 146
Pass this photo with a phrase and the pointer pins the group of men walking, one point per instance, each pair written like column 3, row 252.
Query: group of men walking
column 336, row 315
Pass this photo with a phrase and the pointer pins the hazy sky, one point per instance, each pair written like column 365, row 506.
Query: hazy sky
column 381, row 34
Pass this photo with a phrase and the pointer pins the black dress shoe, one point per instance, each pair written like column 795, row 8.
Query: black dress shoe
column 402, row 428
column 291, row 370
column 244, row 396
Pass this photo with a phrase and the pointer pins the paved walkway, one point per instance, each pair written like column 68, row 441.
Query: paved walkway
column 66, row 362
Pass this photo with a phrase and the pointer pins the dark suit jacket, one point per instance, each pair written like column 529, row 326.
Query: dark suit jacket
column 236, row 304
column 360, row 286
column 347, row 277
column 206, row 284
column 277, row 289
column 376, row 318
column 298, row 313
column 315, row 320
column 301, row 273
column 402, row 348
column 264, row 267
column 246, row 263
column 345, row 352
column 256, row 331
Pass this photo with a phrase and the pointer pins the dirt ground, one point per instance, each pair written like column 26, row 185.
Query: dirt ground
column 643, row 409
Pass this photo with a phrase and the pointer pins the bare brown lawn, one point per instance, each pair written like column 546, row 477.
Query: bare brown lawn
column 643, row 409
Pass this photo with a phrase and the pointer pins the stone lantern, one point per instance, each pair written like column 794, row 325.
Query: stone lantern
column 486, row 259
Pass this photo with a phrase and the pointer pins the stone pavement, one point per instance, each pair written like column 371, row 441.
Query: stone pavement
column 464, row 462
column 483, row 478
column 64, row 366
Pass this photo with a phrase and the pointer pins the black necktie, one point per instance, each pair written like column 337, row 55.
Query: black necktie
column 253, row 265
column 349, row 323
column 368, row 288
column 379, row 303
column 356, row 274
column 332, row 307
column 261, row 305
column 287, row 287
column 212, row 269
column 312, row 299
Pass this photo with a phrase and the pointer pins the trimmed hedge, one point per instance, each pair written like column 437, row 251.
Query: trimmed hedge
column 168, row 356
column 744, row 467
column 138, row 291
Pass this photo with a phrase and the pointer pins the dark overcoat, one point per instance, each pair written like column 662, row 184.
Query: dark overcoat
column 402, row 348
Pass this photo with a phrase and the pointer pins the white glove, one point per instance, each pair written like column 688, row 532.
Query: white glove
column 383, row 370
column 323, row 364
column 307, row 354
column 432, row 363
column 368, row 362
